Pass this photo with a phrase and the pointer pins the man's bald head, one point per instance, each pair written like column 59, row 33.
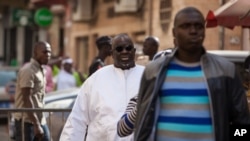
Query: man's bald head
column 121, row 37
column 123, row 51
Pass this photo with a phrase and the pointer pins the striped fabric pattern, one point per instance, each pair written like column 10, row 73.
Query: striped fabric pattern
column 184, row 105
column 125, row 125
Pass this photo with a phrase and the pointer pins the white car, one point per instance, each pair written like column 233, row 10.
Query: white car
column 241, row 59
column 63, row 99
column 238, row 57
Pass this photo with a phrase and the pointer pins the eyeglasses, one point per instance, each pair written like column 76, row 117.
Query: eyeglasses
column 121, row 48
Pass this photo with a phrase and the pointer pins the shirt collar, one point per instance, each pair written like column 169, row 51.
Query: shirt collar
column 35, row 63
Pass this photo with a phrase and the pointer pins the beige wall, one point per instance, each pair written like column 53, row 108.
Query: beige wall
column 136, row 26
column 53, row 33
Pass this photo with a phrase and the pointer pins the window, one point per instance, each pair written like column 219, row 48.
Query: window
column 110, row 12
column 165, row 14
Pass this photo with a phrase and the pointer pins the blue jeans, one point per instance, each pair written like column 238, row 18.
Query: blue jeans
column 29, row 131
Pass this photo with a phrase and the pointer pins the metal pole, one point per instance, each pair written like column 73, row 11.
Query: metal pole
column 221, row 38
column 245, row 38
column 221, row 32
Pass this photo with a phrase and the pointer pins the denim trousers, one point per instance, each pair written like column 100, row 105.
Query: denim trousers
column 29, row 131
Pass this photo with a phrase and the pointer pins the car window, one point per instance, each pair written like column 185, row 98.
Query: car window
column 6, row 76
column 61, row 103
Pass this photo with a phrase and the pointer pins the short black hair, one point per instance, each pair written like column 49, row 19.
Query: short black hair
column 187, row 10
column 102, row 40
column 38, row 45
column 155, row 41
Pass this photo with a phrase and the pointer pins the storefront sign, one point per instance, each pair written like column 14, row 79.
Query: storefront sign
column 21, row 17
column 43, row 17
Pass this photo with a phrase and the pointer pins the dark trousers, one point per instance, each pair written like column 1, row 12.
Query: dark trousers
column 29, row 131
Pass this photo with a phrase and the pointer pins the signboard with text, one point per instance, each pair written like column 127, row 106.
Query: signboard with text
column 22, row 17
column 43, row 17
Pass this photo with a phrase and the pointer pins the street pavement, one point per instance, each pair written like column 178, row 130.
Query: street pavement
column 4, row 130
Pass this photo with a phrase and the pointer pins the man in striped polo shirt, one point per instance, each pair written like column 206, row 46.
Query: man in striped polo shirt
column 189, row 95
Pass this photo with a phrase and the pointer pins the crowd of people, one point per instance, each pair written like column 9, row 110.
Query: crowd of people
column 179, row 94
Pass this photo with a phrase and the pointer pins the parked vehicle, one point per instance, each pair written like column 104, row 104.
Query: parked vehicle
column 235, row 56
column 63, row 99
column 7, row 75
column 238, row 58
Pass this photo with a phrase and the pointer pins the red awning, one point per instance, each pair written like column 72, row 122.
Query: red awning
column 233, row 13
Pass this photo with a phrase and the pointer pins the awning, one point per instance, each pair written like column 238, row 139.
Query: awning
column 233, row 13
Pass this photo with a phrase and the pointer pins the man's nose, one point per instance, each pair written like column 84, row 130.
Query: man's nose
column 193, row 29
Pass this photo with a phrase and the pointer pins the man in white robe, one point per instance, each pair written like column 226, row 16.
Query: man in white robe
column 65, row 78
column 104, row 96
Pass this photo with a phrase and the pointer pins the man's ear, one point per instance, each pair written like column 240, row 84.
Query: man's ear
column 174, row 41
column 112, row 54
column 173, row 32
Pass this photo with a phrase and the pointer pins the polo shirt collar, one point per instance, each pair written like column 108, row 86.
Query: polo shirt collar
column 35, row 63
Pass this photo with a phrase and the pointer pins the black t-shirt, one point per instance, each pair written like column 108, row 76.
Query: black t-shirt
column 96, row 64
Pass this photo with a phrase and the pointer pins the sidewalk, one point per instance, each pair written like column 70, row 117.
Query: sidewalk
column 4, row 131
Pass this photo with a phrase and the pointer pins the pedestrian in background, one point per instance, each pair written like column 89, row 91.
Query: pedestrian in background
column 190, row 94
column 103, row 44
column 150, row 48
column 104, row 96
column 68, row 77
column 49, row 79
column 30, row 91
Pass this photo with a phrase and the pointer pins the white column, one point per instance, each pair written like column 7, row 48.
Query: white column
column 20, row 45
column 246, row 39
column 42, row 34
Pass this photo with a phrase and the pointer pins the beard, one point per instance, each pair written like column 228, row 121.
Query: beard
column 125, row 65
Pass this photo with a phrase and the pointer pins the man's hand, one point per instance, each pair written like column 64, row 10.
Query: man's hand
column 38, row 131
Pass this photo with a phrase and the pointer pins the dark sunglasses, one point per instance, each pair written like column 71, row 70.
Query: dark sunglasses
column 121, row 48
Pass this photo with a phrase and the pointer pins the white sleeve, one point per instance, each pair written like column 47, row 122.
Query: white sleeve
column 77, row 122
column 58, row 82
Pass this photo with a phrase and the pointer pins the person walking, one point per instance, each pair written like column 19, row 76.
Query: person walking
column 30, row 91
column 189, row 94
column 104, row 96
column 150, row 46
column 103, row 44
column 68, row 77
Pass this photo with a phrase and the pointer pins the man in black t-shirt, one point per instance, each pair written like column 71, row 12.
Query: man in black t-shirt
column 103, row 44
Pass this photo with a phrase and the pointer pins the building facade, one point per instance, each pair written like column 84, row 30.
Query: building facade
column 138, row 18
column 77, row 23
